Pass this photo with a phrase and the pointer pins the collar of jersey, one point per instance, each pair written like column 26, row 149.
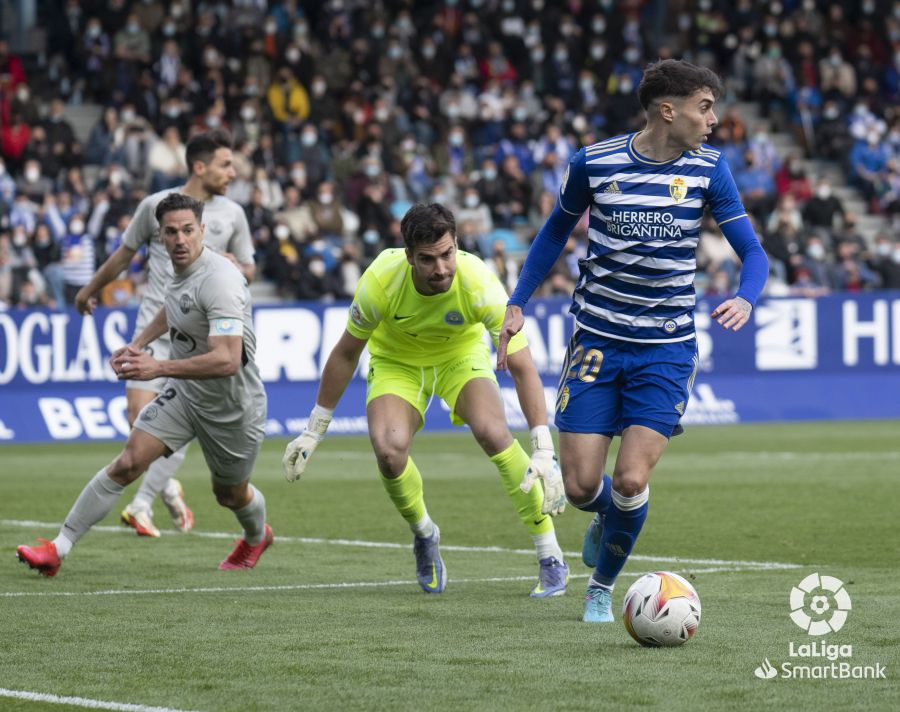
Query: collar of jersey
column 632, row 151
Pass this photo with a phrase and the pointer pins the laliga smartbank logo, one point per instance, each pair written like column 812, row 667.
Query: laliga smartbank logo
column 820, row 596
column 819, row 605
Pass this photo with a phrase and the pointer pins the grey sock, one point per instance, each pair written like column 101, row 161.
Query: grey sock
column 95, row 502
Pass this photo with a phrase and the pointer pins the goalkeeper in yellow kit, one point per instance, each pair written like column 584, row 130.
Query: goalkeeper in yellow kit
column 423, row 312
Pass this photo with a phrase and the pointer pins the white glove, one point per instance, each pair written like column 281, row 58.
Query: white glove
column 299, row 450
column 545, row 467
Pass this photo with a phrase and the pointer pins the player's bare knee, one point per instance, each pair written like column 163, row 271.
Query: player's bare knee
column 392, row 463
column 577, row 492
column 391, row 452
column 629, row 485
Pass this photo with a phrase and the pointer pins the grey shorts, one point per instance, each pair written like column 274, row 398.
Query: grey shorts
column 159, row 350
column 230, row 452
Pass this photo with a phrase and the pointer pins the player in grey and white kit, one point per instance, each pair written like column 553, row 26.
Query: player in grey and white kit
column 210, row 161
column 213, row 392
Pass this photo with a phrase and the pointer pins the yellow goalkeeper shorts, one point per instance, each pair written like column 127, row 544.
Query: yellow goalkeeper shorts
column 418, row 384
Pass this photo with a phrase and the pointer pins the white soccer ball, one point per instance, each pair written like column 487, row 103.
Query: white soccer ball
column 661, row 609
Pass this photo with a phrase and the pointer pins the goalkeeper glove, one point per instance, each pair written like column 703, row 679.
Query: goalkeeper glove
column 544, row 465
column 299, row 450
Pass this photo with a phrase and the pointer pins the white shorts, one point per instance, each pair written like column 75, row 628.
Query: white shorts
column 230, row 453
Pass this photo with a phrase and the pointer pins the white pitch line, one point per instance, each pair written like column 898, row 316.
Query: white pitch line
column 82, row 702
column 393, row 545
column 310, row 586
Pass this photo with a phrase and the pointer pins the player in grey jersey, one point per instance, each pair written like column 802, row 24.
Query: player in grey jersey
column 213, row 393
column 210, row 161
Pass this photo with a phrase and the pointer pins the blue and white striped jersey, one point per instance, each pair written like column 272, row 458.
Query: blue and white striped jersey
column 637, row 281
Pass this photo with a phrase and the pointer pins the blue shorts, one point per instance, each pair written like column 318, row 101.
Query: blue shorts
column 608, row 384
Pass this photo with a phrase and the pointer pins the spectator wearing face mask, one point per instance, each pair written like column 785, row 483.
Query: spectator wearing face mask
column 454, row 157
column 327, row 212
column 814, row 261
column 850, row 273
column 624, row 109
column 369, row 194
column 824, row 207
column 756, row 186
column 95, row 50
column 32, row 185
column 473, row 210
column 318, row 282
column 78, row 257
column 868, row 164
column 314, row 155
column 296, row 215
column 101, row 141
column 131, row 47
column 792, row 180
column 885, row 261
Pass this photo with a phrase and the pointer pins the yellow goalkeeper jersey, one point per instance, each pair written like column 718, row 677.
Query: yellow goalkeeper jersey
column 418, row 330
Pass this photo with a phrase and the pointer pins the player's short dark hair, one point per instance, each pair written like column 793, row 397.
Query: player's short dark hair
column 426, row 224
column 179, row 201
column 676, row 78
column 203, row 146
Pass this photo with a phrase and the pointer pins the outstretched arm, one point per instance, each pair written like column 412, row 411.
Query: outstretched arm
column 734, row 313
column 544, row 251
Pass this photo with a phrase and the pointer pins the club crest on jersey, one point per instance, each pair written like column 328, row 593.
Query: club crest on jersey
column 670, row 326
column 215, row 227
column 185, row 303
column 678, row 189
column 454, row 318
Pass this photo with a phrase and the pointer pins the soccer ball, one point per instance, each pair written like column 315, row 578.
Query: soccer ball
column 661, row 609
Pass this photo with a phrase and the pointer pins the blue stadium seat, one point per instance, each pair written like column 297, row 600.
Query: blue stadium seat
column 514, row 244
column 399, row 208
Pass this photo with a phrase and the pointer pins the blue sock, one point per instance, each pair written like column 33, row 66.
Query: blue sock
column 600, row 503
column 620, row 530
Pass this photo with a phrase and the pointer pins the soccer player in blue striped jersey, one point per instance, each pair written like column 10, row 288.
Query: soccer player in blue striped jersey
column 632, row 360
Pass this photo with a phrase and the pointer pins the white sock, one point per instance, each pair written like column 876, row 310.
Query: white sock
column 63, row 545
column 252, row 518
column 597, row 584
column 546, row 545
column 95, row 501
column 424, row 528
column 156, row 478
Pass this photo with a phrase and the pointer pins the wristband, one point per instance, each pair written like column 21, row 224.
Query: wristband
column 541, row 438
column 319, row 420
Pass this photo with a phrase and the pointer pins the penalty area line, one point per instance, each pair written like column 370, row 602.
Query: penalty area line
column 319, row 586
column 28, row 524
column 82, row 702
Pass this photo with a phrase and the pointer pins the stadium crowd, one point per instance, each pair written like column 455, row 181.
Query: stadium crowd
column 344, row 112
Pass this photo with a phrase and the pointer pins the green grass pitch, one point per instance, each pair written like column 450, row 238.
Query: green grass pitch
column 332, row 618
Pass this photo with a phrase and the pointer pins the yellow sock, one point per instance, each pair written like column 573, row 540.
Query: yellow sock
column 406, row 493
column 512, row 464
